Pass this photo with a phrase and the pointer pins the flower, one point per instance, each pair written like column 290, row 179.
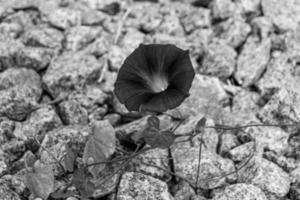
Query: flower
column 154, row 77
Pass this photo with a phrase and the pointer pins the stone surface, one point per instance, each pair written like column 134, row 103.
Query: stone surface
column 218, row 60
column 252, row 61
column 20, row 90
column 262, row 26
column 73, row 113
column 64, row 18
column 240, row 191
column 241, row 152
column 222, row 9
column 71, row 71
column 38, row 123
column 138, row 186
column 250, row 6
column 284, row 14
column 6, row 193
column 266, row 175
column 234, row 31
column 11, row 29
column 196, row 19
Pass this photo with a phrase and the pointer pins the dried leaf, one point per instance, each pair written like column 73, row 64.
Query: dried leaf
column 158, row 139
column 69, row 159
column 200, row 125
column 41, row 181
column 100, row 146
column 153, row 121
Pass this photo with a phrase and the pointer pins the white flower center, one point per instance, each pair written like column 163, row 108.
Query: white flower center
column 158, row 83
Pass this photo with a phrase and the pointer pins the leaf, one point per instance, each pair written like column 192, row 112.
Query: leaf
column 69, row 159
column 41, row 181
column 200, row 125
column 82, row 183
column 150, row 135
column 100, row 146
column 153, row 121
column 62, row 195
column 158, row 139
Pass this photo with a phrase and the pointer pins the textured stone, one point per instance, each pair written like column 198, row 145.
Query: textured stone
column 9, row 48
column 222, row 9
column 196, row 19
column 252, row 61
column 138, row 186
column 6, row 193
column 38, row 123
column 64, row 17
column 234, row 31
column 250, row 6
column 43, row 37
column 116, row 57
column 11, row 30
column 218, row 60
column 71, row 71
column 20, row 90
column 241, row 152
column 262, row 26
column 245, row 102
column 228, row 142
column 284, row 14
column 265, row 175
column 73, row 113
column 240, row 191
column 79, row 36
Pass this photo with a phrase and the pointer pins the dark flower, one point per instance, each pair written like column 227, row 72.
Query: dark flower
column 154, row 77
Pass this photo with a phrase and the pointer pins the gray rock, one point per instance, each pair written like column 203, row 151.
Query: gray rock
column 92, row 17
column 109, row 79
column 245, row 102
column 43, row 37
column 71, row 71
column 6, row 129
column 73, row 113
column 79, row 36
column 171, row 26
column 265, row 175
column 228, row 142
column 64, row 18
column 27, row 19
column 100, row 46
column 138, row 186
column 184, row 191
column 35, row 57
column 284, row 14
column 20, row 90
column 250, row 6
column 252, row 61
column 213, row 166
column 222, row 9
column 131, row 40
column 9, row 48
column 12, row 150
column 234, row 31
column 6, row 193
column 196, row 19
column 294, row 191
column 218, row 60
column 240, row 191
column 3, row 168
column 241, row 152
column 144, row 163
column 262, row 26
column 206, row 94
column 38, row 123
column 98, row 114
column 282, row 108
column 11, row 30
column 116, row 57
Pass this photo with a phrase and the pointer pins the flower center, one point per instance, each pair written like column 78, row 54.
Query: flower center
column 158, row 83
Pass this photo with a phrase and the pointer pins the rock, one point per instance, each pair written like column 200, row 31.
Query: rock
column 252, row 6
column 265, row 175
column 64, row 18
column 240, row 191
column 171, row 26
column 43, row 37
column 6, row 193
column 27, row 19
column 206, row 94
column 282, row 108
column 38, row 123
column 242, row 152
column 6, row 130
column 222, row 9
column 294, row 191
column 113, row 118
column 100, row 46
column 12, row 150
column 144, row 163
column 138, row 186
column 116, row 57
column 20, row 89
column 79, row 36
column 284, row 161
column 218, row 60
column 245, row 103
column 55, row 142
column 130, row 41
column 17, row 183
column 183, row 191
column 35, row 57
column 73, row 113
column 262, row 26
column 3, row 168
column 284, row 14
column 252, row 61
column 109, row 79
column 212, row 165
column 9, row 48
column 228, row 142
column 196, row 19
column 233, row 31
column 92, row 17
column 66, row 72
column 98, row 114
column 11, row 30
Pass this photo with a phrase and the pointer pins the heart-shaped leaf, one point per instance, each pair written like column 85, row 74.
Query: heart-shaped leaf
column 82, row 183
column 41, row 181
column 100, row 146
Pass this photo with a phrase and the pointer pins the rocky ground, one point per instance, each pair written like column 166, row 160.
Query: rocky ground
column 247, row 57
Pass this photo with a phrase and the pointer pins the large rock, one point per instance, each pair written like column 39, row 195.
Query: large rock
column 252, row 61
column 20, row 89
column 222, row 9
column 284, row 14
column 139, row 186
column 64, row 18
column 240, row 191
column 196, row 19
column 71, row 71
column 8, row 51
